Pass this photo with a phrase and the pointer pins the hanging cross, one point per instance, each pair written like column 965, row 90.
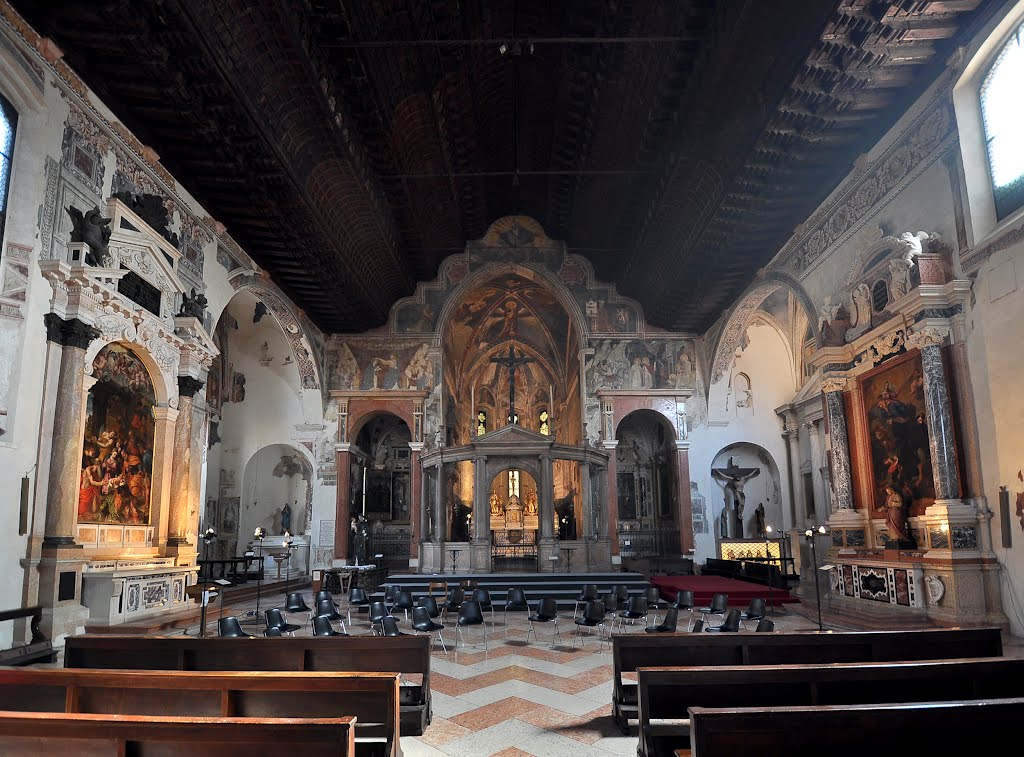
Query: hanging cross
column 512, row 362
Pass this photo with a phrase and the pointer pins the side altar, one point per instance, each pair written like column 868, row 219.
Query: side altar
column 121, row 591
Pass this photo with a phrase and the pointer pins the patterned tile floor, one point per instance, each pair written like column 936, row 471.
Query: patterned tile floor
column 524, row 697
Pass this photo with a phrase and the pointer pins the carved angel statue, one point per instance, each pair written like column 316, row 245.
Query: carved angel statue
column 193, row 306
column 827, row 312
column 94, row 230
column 913, row 244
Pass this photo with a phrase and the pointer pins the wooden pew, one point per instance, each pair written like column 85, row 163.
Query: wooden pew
column 632, row 651
column 965, row 727
column 667, row 693
column 408, row 655
column 39, row 649
column 31, row 734
column 372, row 698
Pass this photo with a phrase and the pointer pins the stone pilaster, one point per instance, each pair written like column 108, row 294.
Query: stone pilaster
column 416, row 505
column 791, row 433
column 342, row 503
column 612, row 498
column 181, row 502
column 842, row 479
column 480, row 546
column 684, row 503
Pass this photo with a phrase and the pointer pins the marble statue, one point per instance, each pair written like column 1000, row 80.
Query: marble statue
column 899, row 277
column 93, row 229
column 913, row 244
column 860, row 312
column 896, row 518
column 286, row 518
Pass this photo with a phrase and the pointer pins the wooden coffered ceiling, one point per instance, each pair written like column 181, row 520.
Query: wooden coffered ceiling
column 350, row 145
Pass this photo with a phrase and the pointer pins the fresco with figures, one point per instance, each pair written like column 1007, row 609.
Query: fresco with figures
column 117, row 456
column 897, row 428
column 381, row 364
column 641, row 364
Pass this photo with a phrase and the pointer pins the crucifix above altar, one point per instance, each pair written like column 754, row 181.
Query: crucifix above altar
column 512, row 361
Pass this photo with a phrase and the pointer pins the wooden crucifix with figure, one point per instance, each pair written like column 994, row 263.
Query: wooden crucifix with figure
column 512, row 361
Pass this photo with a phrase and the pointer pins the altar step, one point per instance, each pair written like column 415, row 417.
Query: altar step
column 564, row 588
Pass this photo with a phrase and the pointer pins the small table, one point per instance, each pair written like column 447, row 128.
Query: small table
column 455, row 557
column 568, row 558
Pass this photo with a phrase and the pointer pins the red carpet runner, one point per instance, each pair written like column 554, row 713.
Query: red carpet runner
column 703, row 587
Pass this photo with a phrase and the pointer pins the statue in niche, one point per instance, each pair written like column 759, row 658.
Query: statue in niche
column 759, row 520
column 735, row 479
column 286, row 519
column 193, row 306
column 93, row 229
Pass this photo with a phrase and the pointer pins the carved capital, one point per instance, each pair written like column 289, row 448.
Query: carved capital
column 188, row 386
column 72, row 333
column 834, row 384
column 927, row 336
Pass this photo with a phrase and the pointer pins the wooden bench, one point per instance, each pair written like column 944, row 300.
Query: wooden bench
column 39, row 648
column 372, row 698
column 667, row 693
column 407, row 655
column 965, row 727
column 632, row 651
column 30, row 734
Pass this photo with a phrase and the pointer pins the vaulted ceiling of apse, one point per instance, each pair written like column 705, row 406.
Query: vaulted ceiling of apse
column 350, row 146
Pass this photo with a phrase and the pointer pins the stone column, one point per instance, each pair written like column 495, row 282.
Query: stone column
column 342, row 505
column 74, row 337
column 685, row 504
column 791, row 432
column 165, row 419
column 841, row 476
column 589, row 532
column 440, row 506
column 941, row 440
column 181, row 503
column 546, row 506
column 61, row 559
column 612, row 498
column 480, row 536
column 415, row 492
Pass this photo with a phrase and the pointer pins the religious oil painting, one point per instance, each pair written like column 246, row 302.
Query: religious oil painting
column 898, row 431
column 117, row 456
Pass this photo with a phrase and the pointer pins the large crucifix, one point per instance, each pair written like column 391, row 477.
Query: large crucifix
column 733, row 477
column 512, row 361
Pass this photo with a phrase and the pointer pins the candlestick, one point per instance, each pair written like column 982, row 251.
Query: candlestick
column 364, row 491
column 551, row 403
column 472, row 409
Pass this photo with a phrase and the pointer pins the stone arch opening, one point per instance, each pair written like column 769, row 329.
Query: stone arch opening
column 748, row 478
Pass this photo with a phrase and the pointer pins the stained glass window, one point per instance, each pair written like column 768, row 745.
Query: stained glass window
column 8, row 124
column 1002, row 107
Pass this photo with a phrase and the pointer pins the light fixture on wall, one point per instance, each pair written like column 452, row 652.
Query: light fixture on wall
column 811, row 534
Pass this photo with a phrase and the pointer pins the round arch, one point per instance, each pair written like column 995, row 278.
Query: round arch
column 250, row 513
column 162, row 388
column 290, row 324
column 358, row 422
column 750, row 453
column 743, row 312
column 655, row 413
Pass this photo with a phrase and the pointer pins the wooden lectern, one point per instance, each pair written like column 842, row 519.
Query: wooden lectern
column 203, row 592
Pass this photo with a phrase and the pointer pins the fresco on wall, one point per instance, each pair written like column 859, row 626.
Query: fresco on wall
column 641, row 364
column 382, row 365
column 898, row 432
column 117, row 456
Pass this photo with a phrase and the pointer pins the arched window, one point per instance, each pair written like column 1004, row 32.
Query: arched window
column 1002, row 109
column 8, row 125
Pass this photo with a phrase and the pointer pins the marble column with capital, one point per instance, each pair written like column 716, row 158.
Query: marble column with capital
column 842, row 478
column 416, row 499
column 181, row 503
column 791, row 432
column 612, row 496
column 74, row 337
column 941, row 438
column 546, row 506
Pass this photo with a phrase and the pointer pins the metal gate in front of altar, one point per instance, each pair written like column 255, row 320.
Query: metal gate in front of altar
column 514, row 550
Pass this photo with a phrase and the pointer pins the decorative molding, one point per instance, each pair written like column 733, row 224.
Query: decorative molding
column 884, row 346
column 973, row 259
column 834, row 384
column 927, row 336
column 916, row 148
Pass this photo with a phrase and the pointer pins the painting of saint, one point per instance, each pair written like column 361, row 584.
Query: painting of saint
column 117, row 458
column 898, row 433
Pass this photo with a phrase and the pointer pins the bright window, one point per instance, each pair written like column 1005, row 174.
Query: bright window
column 8, row 124
column 513, row 483
column 1002, row 108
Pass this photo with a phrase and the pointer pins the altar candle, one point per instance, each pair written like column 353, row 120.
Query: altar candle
column 472, row 408
column 551, row 404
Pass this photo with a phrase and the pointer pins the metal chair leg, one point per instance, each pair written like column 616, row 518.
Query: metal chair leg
column 441, row 639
